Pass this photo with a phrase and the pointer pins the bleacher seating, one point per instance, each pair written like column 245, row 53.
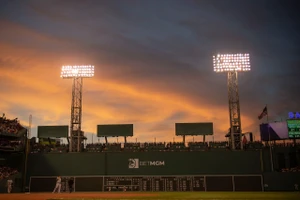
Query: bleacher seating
column 288, row 144
column 9, row 127
column 198, row 146
column 294, row 169
column 12, row 135
column 254, row 145
column 6, row 172
column 7, row 145
column 40, row 148
column 218, row 145
column 154, row 146
column 112, row 147
column 133, row 147
column 176, row 146
column 95, row 147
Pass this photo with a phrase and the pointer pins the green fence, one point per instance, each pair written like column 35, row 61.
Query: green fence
column 281, row 181
column 161, row 163
column 14, row 160
column 144, row 163
column 151, row 183
column 66, row 164
column 165, row 163
column 183, row 163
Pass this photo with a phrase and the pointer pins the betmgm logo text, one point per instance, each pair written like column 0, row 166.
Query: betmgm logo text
column 135, row 163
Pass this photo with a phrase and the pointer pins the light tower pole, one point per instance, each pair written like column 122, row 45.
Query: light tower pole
column 77, row 73
column 232, row 64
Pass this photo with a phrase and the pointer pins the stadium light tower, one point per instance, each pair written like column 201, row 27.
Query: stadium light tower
column 232, row 64
column 77, row 73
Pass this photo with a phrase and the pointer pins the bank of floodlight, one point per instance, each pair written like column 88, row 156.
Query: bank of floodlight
column 231, row 62
column 77, row 73
column 83, row 71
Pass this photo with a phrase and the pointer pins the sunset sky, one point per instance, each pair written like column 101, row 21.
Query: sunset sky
column 153, row 62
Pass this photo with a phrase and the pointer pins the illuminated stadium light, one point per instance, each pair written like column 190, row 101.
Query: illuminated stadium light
column 231, row 62
column 83, row 71
column 77, row 73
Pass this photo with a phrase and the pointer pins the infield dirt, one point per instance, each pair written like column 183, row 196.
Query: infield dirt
column 47, row 196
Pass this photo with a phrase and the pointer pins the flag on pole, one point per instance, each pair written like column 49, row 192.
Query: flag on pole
column 264, row 113
column 245, row 140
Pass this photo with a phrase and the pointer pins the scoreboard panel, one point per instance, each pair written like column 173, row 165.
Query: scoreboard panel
column 151, row 183
column 293, row 126
column 154, row 183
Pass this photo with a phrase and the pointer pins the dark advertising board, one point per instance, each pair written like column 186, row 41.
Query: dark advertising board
column 194, row 128
column 53, row 131
column 114, row 130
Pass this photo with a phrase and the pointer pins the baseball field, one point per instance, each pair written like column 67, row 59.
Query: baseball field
column 157, row 196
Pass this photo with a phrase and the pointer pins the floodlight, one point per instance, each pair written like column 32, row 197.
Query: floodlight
column 77, row 71
column 231, row 62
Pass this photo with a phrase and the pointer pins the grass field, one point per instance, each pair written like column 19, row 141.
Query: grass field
column 202, row 196
column 155, row 195
column 227, row 195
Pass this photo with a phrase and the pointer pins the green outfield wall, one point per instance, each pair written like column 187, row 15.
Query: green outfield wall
column 211, row 165
column 183, row 163
column 66, row 164
column 14, row 160
column 188, row 167
column 145, row 163
column 279, row 181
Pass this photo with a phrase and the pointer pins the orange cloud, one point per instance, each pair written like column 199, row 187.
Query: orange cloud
column 30, row 84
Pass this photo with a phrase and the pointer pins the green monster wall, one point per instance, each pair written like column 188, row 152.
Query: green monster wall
column 66, row 164
column 145, row 163
column 163, row 163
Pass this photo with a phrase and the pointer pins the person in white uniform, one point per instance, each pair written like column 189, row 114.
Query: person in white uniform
column 57, row 185
column 9, row 185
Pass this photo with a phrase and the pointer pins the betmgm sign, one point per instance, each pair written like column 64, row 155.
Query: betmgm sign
column 135, row 163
